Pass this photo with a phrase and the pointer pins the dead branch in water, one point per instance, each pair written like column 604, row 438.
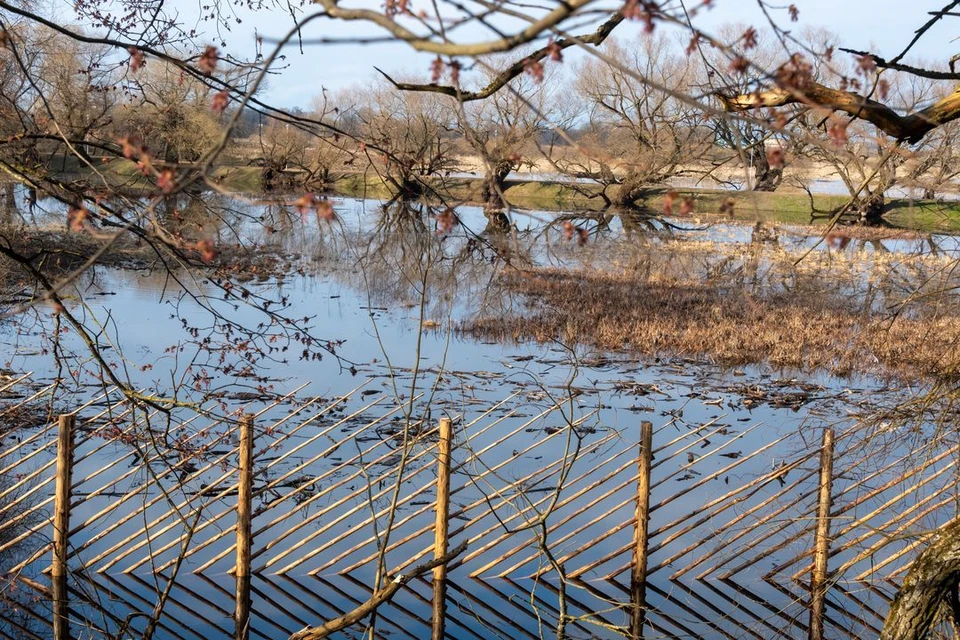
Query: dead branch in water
column 371, row 605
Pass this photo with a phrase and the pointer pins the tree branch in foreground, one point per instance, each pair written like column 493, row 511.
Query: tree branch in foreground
column 371, row 605
column 912, row 127
column 933, row 74
column 549, row 21
column 501, row 79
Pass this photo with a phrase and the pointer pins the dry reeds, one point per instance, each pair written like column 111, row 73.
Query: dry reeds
column 807, row 328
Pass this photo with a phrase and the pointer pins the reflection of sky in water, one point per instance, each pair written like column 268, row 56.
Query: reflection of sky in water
column 714, row 503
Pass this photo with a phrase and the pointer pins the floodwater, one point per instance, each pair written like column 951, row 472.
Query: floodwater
column 825, row 186
column 734, row 473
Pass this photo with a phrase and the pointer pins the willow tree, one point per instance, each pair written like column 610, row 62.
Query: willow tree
column 505, row 131
column 640, row 133
column 744, row 145
column 407, row 136
column 862, row 140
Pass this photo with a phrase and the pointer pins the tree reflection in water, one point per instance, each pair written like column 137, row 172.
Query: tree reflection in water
column 22, row 608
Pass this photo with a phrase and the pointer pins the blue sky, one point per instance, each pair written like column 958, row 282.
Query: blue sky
column 883, row 26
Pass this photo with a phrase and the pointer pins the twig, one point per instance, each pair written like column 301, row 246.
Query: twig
column 371, row 605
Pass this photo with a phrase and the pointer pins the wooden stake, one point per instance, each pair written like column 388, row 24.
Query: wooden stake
column 61, row 528
column 440, row 543
column 244, row 502
column 818, row 581
column 638, row 577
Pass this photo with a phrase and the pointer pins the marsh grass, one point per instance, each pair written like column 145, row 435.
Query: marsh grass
column 862, row 311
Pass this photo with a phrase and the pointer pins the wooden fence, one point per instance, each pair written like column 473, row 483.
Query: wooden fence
column 261, row 526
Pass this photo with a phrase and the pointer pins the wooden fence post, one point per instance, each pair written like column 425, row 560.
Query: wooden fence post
column 440, row 543
column 638, row 576
column 818, row 581
column 244, row 504
column 61, row 527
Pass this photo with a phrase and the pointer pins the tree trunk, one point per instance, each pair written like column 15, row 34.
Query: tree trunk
column 871, row 209
column 493, row 184
column 269, row 178
column 407, row 187
column 629, row 192
column 765, row 178
column 930, row 585
column 497, row 220
column 9, row 208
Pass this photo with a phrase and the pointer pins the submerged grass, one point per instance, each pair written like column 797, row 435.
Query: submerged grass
column 804, row 317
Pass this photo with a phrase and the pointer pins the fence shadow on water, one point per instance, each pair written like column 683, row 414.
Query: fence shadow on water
column 263, row 526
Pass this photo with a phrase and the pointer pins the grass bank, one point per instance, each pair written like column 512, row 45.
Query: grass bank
column 786, row 208
column 782, row 207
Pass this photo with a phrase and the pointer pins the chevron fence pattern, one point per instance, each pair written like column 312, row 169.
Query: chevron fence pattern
column 544, row 500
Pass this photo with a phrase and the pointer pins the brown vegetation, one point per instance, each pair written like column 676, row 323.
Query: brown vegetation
column 808, row 330
column 133, row 81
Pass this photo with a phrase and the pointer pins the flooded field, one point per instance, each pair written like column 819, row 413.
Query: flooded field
column 349, row 340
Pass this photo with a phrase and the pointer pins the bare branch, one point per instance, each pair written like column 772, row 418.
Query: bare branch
column 912, row 127
column 501, row 79
column 420, row 43
column 371, row 605
column 897, row 66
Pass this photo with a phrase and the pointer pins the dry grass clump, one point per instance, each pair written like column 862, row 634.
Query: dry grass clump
column 16, row 415
column 56, row 252
column 617, row 309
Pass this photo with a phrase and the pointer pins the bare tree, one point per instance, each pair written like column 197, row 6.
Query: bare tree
column 867, row 163
column 283, row 151
column 745, row 144
column 638, row 135
column 332, row 151
column 170, row 112
column 505, row 130
column 20, row 132
column 412, row 135
column 933, row 163
column 79, row 84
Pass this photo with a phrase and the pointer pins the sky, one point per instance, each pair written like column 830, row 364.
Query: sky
column 884, row 27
